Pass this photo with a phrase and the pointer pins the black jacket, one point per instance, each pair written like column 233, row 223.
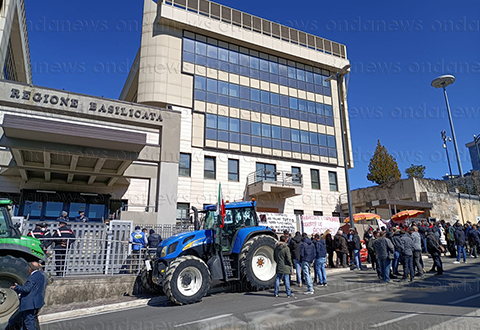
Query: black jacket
column 320, row 249
column 295, row 246
column 459, row 236
column 474, row 235
column 307, row 250
column 154, row 240
column 433, row 244
column 383, row 248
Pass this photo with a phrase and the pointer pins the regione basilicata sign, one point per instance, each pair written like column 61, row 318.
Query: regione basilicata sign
column 315, row 224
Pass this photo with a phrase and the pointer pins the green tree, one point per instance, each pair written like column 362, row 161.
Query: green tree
column 383, row 167
column 417, row 171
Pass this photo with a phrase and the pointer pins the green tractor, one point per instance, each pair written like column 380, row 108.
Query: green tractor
column 15, row 253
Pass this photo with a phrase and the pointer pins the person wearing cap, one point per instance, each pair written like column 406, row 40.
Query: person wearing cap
column 81, row 217
column 40, row 232
column 63, row 238
column 139, row 240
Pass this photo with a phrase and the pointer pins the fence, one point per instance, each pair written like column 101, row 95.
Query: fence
column 98, row 248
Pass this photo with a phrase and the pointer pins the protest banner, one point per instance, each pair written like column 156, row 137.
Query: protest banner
column 315, row 224
column 279, row 222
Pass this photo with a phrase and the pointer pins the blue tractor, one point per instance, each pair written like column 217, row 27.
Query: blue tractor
column 242, row 250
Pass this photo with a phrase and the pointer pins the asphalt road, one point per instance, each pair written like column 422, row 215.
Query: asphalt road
column 353, row 300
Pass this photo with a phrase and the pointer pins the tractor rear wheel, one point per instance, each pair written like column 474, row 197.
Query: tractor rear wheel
column 12, row 270
column 187, row 280
column 258, row 268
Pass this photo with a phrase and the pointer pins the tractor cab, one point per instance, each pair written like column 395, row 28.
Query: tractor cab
column 238, row 215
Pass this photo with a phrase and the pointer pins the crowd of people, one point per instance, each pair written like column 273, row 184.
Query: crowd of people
column 393, row 253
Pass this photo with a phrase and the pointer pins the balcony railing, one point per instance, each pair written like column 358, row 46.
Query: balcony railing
column 283, row 178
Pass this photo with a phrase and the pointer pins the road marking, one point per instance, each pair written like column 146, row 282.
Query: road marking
column 204, row 320
column 323, row 295
column 464, row 299
column 394, row 320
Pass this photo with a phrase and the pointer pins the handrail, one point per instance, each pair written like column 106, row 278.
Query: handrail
column 284, row 178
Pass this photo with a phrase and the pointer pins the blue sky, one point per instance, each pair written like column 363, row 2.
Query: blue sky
column 395, row 48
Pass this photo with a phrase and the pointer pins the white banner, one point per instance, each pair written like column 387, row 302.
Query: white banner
column 314, row 224
column 279, row 222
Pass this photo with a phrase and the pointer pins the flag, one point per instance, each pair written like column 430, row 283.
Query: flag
column 220, row 210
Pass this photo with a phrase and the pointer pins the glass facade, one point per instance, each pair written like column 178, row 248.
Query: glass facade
column 231, row 58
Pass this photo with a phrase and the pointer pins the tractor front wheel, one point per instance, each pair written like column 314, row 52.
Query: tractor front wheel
column 187, row 280
column 12, row 270
column 257, row 263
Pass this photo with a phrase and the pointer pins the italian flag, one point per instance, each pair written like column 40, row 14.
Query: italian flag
column 221, row 206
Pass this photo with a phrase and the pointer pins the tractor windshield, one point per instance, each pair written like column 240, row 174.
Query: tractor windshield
column 6, row 229
column 234, row 218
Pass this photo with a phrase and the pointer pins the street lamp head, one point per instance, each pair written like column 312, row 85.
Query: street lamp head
column 443, row 81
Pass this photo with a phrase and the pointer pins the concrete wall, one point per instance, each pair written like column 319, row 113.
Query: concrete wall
column 70, row 290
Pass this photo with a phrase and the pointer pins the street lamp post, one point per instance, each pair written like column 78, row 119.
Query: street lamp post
column 339, row 78
column 446, row 138
column 476, row 139
column 442, row 82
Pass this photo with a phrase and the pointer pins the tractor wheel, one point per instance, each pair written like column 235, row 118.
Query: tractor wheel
column 187, row 280
column 258, row 268
column 12, row 270
column 147, row 284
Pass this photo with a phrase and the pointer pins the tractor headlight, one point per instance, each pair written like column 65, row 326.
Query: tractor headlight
column 164, row 252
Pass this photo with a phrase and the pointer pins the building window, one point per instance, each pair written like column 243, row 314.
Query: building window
column 183, row 212
column 296, row 175
column 332, row 179
column 319, row 213
column 266, row 172
column 209, row 169
column 233, row 171
column 184, row 165
column 315, row 176
column 335, row 214
column 9, row 70
column 298, row 212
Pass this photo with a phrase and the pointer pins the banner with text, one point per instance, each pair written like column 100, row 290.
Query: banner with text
column 315, row 224
column 279, row 222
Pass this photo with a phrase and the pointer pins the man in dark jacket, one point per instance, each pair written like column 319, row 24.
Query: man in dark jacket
column 422, row 230
column 341, row 248
column 63, row 238
column 319, row 265
column 282, row 257
column 330, row 248
column 357, row 246
column 398, row 252
column 450, row 237
column 295, row 244
column 32, row 296
column 384, row 251
column 435, row 250
column 40, row 232
column 307, row 255
column 474, row 240
column 154, row 240
column 460, row 242
column 407, row 255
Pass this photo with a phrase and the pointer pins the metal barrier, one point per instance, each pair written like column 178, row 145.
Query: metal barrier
column 98, row 248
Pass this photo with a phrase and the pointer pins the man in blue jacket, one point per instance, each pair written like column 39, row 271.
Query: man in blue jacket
column 32, row 296
column 319, row 265
column 307, row 254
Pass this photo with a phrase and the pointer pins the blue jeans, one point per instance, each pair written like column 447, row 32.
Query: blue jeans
column 358, row 260
column 306, row 274
column 424, row 240
column 287, row 283
column 408, row 267
column 396, row 261
column 461, row 249
column 384, row 268
column 320, row 274
column 298, row 270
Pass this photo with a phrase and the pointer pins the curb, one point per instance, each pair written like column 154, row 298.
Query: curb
column 91, row 310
